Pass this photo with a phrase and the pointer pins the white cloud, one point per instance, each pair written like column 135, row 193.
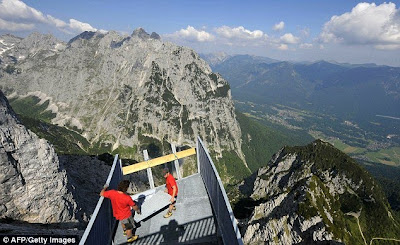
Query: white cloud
column 305, row 32
column 223, row 35
column 283, row 47
column 15, row 15
column 58, row 23
column 192, row 34
column 18, row 10
column 12, row 26
column 367, row 23
column 289, row 38
column 388, row 46
column 279, row 26
column 239, row 33
column 80, row 26
column 306, row 45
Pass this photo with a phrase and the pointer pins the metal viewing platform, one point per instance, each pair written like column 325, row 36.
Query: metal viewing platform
column 203, row 213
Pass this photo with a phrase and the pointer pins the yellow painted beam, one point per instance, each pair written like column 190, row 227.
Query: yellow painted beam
column 157, row 161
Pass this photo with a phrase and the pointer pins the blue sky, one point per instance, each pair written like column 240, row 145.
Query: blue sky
column 360, row 32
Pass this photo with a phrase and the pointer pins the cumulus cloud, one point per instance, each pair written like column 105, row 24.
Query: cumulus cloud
column 239, row 33
column 236, row 37
column 283, row 47
column 58, row 23
column 80, row 26
column 289, row 38
column 12, row 26
column 192, row 34
column 366, row 24
column 306, row 45
column 387, row 46
column 279, row 26
column 72, row 26
column 223, row 35
column 15, row 10
column 305, row 32
column 15, row 15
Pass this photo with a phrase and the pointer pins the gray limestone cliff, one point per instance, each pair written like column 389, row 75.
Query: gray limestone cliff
column 33, row 185
column 118, row 91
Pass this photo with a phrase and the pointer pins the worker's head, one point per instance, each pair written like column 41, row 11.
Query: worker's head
column 123, row 186
column 165, row 172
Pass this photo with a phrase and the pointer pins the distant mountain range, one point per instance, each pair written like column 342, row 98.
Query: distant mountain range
column 353, row 91
column 215, row 59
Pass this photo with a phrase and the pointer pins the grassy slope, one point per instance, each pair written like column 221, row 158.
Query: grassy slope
column 261, row 142
column 29, row 107
column 374, row 218
column 64, row 141
column 388, row 175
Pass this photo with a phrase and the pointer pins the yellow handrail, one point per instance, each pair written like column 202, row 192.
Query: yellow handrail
column 157, row 161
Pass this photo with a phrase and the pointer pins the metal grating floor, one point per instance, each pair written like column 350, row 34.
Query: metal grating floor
column 192, row 222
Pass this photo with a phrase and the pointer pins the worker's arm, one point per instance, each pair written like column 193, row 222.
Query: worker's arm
column 173, row 193
column 104, row 189
column 136, row 208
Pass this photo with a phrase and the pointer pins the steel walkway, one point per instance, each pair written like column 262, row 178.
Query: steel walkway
column 203, row 213
column 192, row 222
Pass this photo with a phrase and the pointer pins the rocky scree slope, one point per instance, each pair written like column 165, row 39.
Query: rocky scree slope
column 121, row 92
column 313, row 195
column 33, row 184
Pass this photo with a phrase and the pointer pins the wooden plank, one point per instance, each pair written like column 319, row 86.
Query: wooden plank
column 157, row 161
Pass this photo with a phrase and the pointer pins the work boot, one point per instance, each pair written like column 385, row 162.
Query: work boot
column 133, row 238
column 168, row 214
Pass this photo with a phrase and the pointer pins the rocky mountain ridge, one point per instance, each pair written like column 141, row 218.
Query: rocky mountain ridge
column 215, row 58
column 33, row 183
column 120, row 92
column 314, row 194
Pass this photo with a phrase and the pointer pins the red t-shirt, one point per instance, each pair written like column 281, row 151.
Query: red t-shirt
column 170, row 181
column 121, row 204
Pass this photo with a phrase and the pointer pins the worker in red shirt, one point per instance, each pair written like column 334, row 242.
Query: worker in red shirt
column 171, row 189
column 122, row 205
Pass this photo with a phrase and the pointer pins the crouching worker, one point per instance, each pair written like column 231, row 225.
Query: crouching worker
column 122, row 205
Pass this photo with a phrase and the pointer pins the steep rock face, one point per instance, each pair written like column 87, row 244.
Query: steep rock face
column 7, row 42
column 33, row 185
column 119, row 90
column 14, row 49
column 311, row 195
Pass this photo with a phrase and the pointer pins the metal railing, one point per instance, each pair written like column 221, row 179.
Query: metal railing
column 227, row 225
column 102, row 224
